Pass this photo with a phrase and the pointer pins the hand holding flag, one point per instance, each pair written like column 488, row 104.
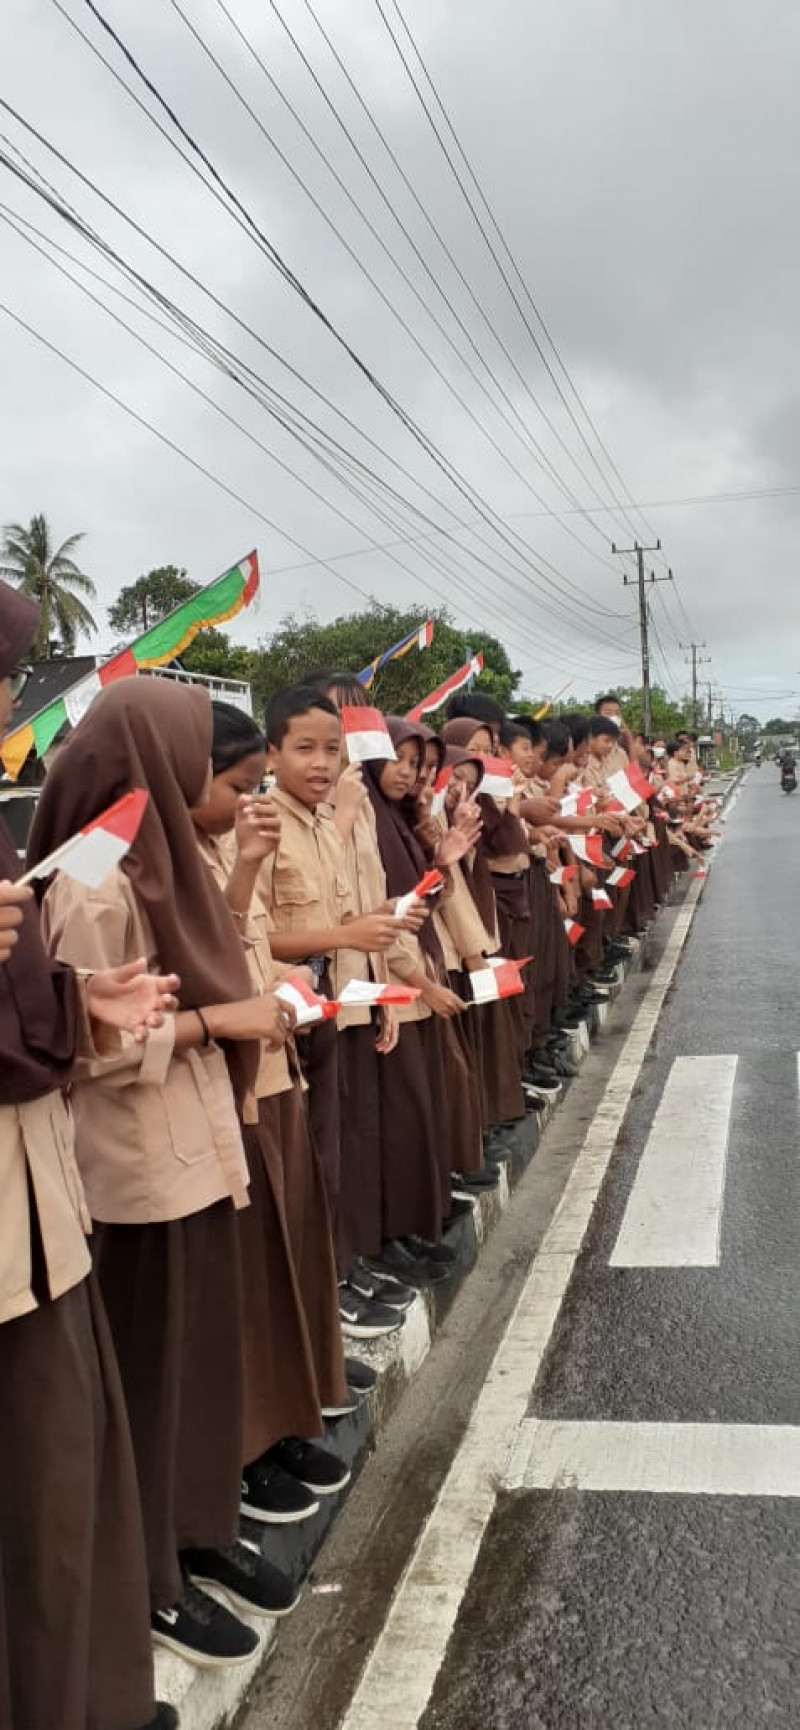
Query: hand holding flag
column 430, row 884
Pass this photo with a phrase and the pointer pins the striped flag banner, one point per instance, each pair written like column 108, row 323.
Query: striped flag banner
column 366, row 734
column 430, row 884
column 90, row 855
column 420, row 638
column 631, row 787
column 589, row 848
column 470, row 670
column 601, row 899
column 500, row 979
column 218, row 601
column 574, row 931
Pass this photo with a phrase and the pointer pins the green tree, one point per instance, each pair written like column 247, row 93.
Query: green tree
column 150, row 599
column 747, row 725
column 302, row 645
column 49, row 575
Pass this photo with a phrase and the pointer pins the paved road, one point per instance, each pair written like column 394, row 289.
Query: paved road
column 646, row 1568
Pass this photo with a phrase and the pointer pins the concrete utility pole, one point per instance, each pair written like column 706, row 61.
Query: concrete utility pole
column 697, row 661
column 640, row 551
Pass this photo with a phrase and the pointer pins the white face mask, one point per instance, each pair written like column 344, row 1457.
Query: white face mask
column 615, row 721
column 659, row 751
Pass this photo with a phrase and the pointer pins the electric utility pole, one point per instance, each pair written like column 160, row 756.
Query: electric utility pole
column 697, row 661
column 640, row 551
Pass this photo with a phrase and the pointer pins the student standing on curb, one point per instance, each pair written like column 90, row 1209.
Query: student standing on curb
column 75, row 1645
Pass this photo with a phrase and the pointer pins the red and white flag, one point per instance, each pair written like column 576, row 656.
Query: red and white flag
column 601, row 899
column 574, row 931
column 498, row 778
column 307, row 1005
column 440, row 787
column 623, row 849
column 620, row 878
column 430, row 884
column 667, row 793
column 425, row 635
column 470, row 670
column 366, row 734
column 90, row 855
column 563, row 874
column 631, row 787
column 589, row 848
column 577, row 804
column 500, row 979
column 367, row 991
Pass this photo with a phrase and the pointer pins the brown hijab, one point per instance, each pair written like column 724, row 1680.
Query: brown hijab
column 148, row 732
column 403, row 859
column 38, row 997
column 476, row 874
column 459, row 732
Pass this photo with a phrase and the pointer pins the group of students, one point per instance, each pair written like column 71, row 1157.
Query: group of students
column 257, row 1196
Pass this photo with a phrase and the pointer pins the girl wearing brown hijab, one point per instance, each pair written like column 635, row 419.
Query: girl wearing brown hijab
column 75, row 1646
column 161, row 1152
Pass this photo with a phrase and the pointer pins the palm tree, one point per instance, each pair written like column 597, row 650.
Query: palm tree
column 51, row 578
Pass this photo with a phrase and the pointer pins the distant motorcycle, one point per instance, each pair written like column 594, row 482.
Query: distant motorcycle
column 788, row 776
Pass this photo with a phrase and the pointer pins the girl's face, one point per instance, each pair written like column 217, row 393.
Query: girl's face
column 465, row 776
column 523, row 755
column 398, row 779
column 481, row 742
column 217, row 815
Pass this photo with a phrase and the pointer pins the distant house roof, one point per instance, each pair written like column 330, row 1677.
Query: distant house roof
column 48, row 680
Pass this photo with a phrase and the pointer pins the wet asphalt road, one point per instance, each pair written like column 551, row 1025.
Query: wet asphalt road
column 596, row 1609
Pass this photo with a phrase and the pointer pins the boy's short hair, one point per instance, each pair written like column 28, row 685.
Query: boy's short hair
column 511, row 730
column 291, row 701
column 558, row 738
column 534, row 729
column 475, row 706
column 610, row 697
column 601, row 726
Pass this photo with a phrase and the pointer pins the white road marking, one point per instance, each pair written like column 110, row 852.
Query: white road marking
column 399, row 1675
column 659, row 1459
column 674, row 1209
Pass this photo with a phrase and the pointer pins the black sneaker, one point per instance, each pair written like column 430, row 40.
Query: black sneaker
column 362, row 1319
column 200, row 1629
column 488, row 1178
column 166, row 1718
column 368, row 1284
column 435, row 1252
column 246, row 1578
column 272, row 1497
column 349, row 1404
column 321, row 1471
column 361, row 1377
column 397, row 1262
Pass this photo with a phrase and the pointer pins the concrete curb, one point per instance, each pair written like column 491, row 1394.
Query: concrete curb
column 214, row 1699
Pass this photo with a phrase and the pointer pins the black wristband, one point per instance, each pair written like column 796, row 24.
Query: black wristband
column 204, row 1024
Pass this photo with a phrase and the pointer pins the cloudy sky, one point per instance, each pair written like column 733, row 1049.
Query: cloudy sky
column 640, row 160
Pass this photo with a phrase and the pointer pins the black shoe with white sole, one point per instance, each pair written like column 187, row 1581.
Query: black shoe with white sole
column 363, row 1319
column 345, row 1407
column 487, row 1178
column 166, row 1718
column 368, row 1284
column 431, row 1252
column 317, row 1468
column 273, row 1497
column 362, row 1378
column 396, row 1262
column 200, row 1629
column 245, row 1576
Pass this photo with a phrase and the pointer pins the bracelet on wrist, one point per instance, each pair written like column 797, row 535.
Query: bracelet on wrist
column 206, row 1039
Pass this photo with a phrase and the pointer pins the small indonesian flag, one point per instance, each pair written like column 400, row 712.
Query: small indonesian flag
column 601, row 899
column 620, row 878
column 366, row 991
column 366, row 734
column 589, row 848
column 90, row 855
column 667, row 793
column 563, row 874
column 623, row 849
column 307, row 1005
column 440, row 787
column 470, row 670
column 577, row 804
column 500, row 979
column 631, row 787
column 430, row 884
column 700, row 874
column 637, row 847
column 498, row 777
column 574, row 931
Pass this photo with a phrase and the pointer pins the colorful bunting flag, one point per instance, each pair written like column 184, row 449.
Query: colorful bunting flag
column 420, row 638
column 218, row 601
column 470, row 670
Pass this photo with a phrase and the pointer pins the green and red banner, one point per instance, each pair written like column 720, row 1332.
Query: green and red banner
column 218, row 601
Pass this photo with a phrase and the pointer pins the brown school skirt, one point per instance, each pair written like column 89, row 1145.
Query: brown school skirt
column 456, row 1101
column 538, row 999
column 75, row 1644
column 502, row 1074
column 469, row 1028
column 280, row 1384
column 411, row 1139
column 305, row 1209
column 174, row 1300
column 514, row 921
column 360, row 1208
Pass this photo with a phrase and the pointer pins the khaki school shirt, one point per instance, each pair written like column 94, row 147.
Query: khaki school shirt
column 304, row 883
column 157, row 1133
column 274, row 1073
